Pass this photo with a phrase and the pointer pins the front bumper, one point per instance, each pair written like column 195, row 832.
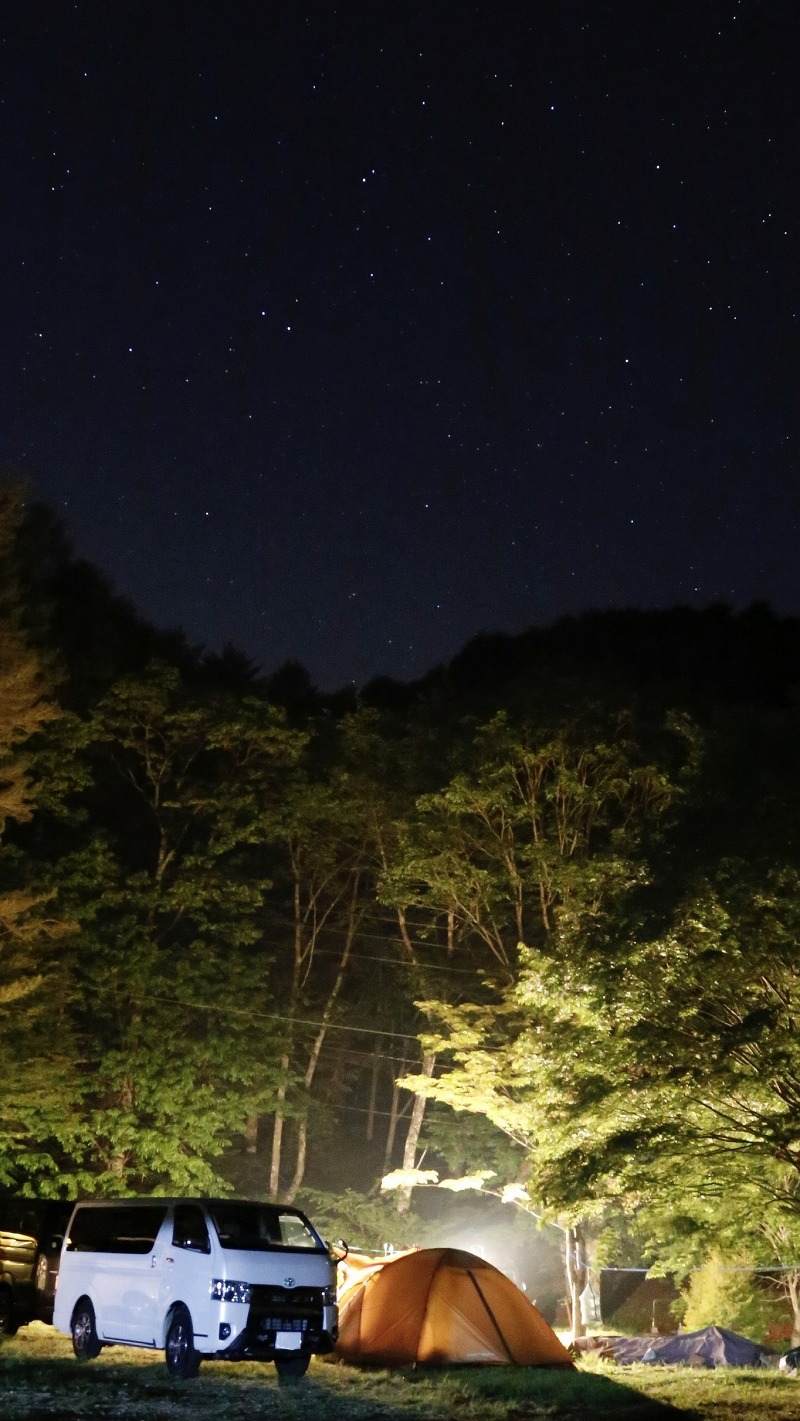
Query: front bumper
column 264, row 1346
column 279, row 1320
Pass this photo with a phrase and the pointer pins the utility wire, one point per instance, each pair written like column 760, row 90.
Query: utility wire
column 276, row 1016
column 371, row 916
column 422, row 944
column 397, row 962
column 288, row 921
column 364, row 1110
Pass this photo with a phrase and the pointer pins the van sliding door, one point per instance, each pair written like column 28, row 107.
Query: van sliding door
column 125, row 1267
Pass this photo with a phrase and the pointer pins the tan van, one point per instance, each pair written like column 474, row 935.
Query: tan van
column 31, row 1235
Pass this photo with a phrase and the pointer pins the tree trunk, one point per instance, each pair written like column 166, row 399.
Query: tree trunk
column 412, row 1137
column 300, row 1161
column 251, row 1134
column 277, row 1138
column 319, row 1041
column 373, row 1096
column 300, row 955
column 793, row 1293
column 117, row 1163
column 575, row 1271
column 394, row 1116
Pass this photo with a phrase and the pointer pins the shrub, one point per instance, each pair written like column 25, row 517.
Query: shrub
column 725, row 1292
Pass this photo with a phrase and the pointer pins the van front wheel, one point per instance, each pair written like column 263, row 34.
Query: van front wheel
column 85, row 1341
column 183, row 1360
column 291, row 1366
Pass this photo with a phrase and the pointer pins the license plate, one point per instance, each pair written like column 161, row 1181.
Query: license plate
column 288, row 1341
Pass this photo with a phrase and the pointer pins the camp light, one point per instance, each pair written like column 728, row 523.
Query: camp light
column 229, row 1291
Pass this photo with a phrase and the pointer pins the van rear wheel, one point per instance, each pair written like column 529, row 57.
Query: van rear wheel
column 85, row 1341
column 182, row 1358
column 291, row 1366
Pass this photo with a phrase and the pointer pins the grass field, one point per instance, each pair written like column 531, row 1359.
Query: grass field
column 41, row 1381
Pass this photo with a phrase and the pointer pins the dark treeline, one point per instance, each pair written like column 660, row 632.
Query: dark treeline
column 552, row 887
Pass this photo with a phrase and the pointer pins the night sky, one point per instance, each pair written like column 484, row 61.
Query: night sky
column 344, row 331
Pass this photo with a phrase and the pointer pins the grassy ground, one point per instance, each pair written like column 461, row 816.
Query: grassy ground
column 41, row 1381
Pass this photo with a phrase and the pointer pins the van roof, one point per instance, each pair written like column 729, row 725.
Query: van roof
column 165, row 1200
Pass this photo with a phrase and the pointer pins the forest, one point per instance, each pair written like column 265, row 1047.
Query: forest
column 527, row 926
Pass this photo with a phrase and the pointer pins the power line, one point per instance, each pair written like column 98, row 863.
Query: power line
column 372, row 917
column 289, row 921
column 364, row 1110
column 420, row 943
column 721, row 1268
column 370, row 1055
column 277, row 1016
column 397, row 961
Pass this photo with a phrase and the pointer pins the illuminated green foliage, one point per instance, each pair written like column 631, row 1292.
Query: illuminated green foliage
column 167, row 897
column 34, row 1073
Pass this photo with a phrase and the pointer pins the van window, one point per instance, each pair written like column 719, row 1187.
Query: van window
column 262, row 1226
column 122, row 1228
column 189, row 1229
column 295, row 1233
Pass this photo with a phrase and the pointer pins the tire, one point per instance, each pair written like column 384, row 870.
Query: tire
column 85, row 1343
column 40, row 1273
column 291, row 1366
column 180, row 1354
column 8, row 1322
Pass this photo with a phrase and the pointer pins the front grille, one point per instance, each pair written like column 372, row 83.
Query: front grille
column 264, row 1296
column 283, row 1324
column 274, row 1309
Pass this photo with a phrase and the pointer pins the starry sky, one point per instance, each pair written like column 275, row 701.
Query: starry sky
column 343, row 331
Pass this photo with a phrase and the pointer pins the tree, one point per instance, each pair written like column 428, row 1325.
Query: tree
column 694, row 1057
column 529, row 854
column 648, row 1052
column 322, row 838
column 724, row 1292
column 386, row 763
column 28, row 925
column 26, row 682
column 166, row 980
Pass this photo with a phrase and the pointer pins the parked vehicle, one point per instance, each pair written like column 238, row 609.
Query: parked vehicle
column 31, row 1235
column 221, row 1278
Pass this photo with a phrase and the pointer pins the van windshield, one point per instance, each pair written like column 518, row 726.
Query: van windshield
column 262, row 1226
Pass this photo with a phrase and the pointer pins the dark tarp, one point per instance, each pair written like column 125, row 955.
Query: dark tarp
column 710, row 1347
column 630, row 1301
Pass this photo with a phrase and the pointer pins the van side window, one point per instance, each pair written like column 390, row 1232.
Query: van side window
column 189, row 1229
column 123, row 1228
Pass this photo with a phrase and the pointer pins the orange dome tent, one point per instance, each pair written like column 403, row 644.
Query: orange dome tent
column 439, row 1306
column 354, row 1268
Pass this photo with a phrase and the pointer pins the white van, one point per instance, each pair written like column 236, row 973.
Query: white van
column 223, row 1278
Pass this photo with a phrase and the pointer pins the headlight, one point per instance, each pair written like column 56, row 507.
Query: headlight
column 230, row 1291
column 328, row 1297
